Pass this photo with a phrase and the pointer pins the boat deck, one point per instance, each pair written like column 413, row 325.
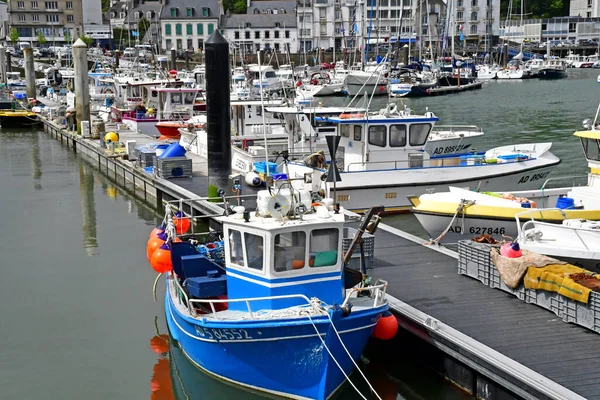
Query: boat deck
column 535, row 338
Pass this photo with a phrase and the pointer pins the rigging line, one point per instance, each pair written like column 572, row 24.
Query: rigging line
column 350, row 356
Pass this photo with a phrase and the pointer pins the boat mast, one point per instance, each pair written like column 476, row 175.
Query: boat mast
column 429, row 29
column 451, row 26
column 420, row 29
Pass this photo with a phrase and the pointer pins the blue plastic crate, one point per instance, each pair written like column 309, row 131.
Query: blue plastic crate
column 261, row 168
column 279, row 176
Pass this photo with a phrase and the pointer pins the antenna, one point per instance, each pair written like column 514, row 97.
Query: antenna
column 333, row 174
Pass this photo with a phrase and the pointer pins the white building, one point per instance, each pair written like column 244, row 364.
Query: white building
column 252, row 32
column 573, row 29
column 186, row 25
column 585, row 8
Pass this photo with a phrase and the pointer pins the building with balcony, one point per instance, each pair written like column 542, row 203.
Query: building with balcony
column 186, row 25
column 269, row 25
column 57, row 20
column 584, row 8
column 329, row 24
column 573, row 29
column 127, row 15
column 480, row 20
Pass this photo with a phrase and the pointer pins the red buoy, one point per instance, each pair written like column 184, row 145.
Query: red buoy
column 386, row 327
column 182, row 223
column 161, row 259
column 154, row 243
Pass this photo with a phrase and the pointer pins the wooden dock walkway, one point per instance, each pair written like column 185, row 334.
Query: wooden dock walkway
column 522, row 347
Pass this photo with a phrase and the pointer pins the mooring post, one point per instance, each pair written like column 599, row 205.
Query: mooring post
column 29, row 72
column 82, row 91
column 217, row 112
column 173, row 58
column 2, row 64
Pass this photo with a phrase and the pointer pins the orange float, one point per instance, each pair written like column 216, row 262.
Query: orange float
column 386, row 327
column 156, row 231
column 182, row 223
column 161, row 259
column 154, row 243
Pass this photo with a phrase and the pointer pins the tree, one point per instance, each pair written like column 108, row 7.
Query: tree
column 88, row 40
column 14, row 35
column 41, row 38
column 67, row 34
column 143, row 26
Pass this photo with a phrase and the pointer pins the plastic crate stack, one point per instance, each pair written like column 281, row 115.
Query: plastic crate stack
column 145, row 157
column 474, row 260
column 174, row 167
column 368, row 245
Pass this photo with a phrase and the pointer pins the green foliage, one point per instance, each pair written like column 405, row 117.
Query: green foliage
column 143, row 26
column 88, row 40
column 41, row 38
column 14, row 35
column 235, row 6
column 122, row 37
column 105, row 5
column 533, row 9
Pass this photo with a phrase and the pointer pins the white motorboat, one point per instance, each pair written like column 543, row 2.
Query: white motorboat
column 514, row 70
column 451, row 139
column 361, row 82
column 464, row 213
column 576, row 241
column 382, row 160
column 487, row 72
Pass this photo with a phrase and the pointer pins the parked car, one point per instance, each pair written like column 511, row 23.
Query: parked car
column 37, row 52
column 11, row 50
column 181, row 54
column 129, row 52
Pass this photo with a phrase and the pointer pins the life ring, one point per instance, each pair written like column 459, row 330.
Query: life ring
column 392, row 108
column 107, row 91
column 350, row 116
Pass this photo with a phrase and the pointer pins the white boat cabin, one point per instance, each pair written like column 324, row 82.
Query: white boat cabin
column 385, row 140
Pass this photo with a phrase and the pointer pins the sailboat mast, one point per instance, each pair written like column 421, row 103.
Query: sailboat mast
column 420, row 29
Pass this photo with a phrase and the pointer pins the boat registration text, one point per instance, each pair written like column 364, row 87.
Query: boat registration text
column 222, row 334
column 479, row 230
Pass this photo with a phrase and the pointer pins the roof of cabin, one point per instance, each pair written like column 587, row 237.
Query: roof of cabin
column 182, row 5
column 588, row 134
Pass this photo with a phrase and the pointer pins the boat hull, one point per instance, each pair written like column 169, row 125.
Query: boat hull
column 552, row 74
column 394, row 197
column 284, row 357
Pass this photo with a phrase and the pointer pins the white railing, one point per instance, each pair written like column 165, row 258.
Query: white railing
column 378, row 296
column 532, row 222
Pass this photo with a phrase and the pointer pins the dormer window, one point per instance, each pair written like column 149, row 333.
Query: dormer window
column 189, row 12
column 150, row 14
column 173, row 11
column 138, row 15
column 205, row 11
column 277, row 25
column 256, row 11
column 248, row 25
column 269, row 11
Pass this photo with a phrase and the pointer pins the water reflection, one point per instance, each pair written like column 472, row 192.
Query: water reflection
column 36, row 161
column 88, row 208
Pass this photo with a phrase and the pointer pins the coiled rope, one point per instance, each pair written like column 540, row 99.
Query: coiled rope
column 460, row 209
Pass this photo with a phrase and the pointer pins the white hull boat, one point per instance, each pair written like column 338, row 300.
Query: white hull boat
column 576, row 241
column 360, row 82
column 382, row 161
column 510, row 74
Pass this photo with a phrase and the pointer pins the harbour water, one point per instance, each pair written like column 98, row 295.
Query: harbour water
column 78, row 318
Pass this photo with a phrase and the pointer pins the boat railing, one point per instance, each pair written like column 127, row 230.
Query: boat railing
column 416, row 162
column 531, row 223
column 456, row 128
column 559, row 178
column 377, row 292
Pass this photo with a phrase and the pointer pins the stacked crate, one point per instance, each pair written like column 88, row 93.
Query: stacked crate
column 174, row 167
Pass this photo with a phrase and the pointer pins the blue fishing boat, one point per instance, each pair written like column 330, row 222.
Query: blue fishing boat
column 271, row 306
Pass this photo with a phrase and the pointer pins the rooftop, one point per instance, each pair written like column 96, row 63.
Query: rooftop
column 258, row 20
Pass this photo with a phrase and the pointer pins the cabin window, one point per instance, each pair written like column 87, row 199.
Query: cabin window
column 397, row 135
column 377, row 135
column 357, row 132
column 591, row 147
column 419, row 134
column 324, row 247
column 254, row 250
column 236, row 250
column 290, row 251
column 345, row 130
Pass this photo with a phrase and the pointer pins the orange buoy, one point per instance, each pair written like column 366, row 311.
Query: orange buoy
column 161, row 259
column 156, row 231
column 386, row 327
column 154, row 243
column 160, row 343
column 182, row 223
